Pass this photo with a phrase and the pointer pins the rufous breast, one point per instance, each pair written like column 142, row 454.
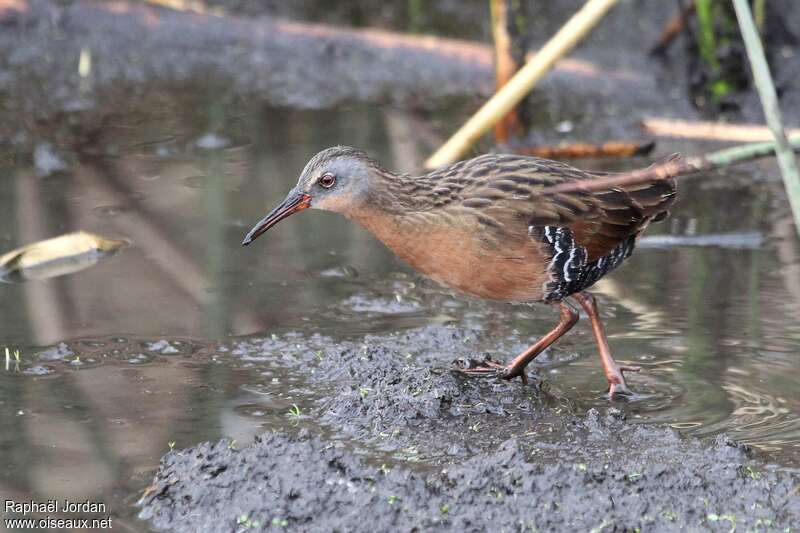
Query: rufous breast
column 459, row 256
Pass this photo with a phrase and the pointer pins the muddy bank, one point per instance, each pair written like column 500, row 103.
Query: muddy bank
column 285, row 62
column 647, row 479
column 81, row 64
column 397, row 437
column 127, row 50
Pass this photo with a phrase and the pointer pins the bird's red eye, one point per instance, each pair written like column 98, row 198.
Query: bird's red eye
column 327, row 180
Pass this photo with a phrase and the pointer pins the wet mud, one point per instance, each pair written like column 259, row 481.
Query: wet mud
column 128, row 48
column 284, row 57
column 397, row 440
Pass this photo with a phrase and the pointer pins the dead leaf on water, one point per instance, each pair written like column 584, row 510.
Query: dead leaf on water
column 56, row 257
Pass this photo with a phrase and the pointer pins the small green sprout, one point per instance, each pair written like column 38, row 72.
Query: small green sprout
column 282, row 522
column 295, row 411
column 581, row 467
column 444, row 509
column 364, row 392
column 752, row 473
column 248, row 523
column 711, row 517
column 232, row 445
column 171, row 445
column 392, row 499
column 17, row 359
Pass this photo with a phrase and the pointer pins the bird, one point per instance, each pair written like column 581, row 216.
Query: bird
column 502, row 227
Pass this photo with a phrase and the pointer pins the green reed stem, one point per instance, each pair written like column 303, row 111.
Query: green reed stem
column 746, row 152
column 769, row 101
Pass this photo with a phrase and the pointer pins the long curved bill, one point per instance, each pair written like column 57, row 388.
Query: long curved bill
column 294, row 202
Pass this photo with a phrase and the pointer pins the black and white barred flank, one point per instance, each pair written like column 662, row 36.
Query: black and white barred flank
column 569, row 266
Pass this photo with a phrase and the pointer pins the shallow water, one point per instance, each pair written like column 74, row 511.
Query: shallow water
column 150, row 355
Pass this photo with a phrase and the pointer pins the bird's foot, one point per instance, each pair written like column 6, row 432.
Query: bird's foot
column 488, row 367
column 617, row 388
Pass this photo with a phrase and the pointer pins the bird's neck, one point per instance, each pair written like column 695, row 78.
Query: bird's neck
column 399, row 231
column 388, row 211
column 380, row 220
column 397, row 194
column 398, row 211
column 391, row 203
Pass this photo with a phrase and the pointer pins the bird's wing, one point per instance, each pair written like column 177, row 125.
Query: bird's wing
column 510, row 192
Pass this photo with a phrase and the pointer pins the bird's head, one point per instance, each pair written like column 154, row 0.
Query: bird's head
column 336, row 179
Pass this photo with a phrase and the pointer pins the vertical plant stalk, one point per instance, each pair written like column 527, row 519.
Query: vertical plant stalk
column 769, row 101
column 415, row 15
column 760, row 14
column 706, row 40
column 505, row 67
column 715, row 22
column 521, row 84
column 673, row 28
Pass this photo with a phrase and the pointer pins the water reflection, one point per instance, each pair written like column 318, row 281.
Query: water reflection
column 715, row 329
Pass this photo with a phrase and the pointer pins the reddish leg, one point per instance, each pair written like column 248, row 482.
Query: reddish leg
column 517, row 366
column 613, row 371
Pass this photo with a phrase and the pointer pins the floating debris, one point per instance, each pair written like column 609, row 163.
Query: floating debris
column 38, row 370
column 47, row 160
column 344, row 271
column 745, row 240
column 163, row 347
column 58, row 256
column 212, row 141
column 59, row 352
column 108, row 211
column 565, row 126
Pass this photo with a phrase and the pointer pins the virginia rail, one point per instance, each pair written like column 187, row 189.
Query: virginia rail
column 489, row 228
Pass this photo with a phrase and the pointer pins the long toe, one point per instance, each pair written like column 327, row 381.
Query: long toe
column 486, row 367
column 617, row 388
column 619, row 391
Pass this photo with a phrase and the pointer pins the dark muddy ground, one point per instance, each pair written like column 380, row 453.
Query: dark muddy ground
column 460, row 454
column 304, row 483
